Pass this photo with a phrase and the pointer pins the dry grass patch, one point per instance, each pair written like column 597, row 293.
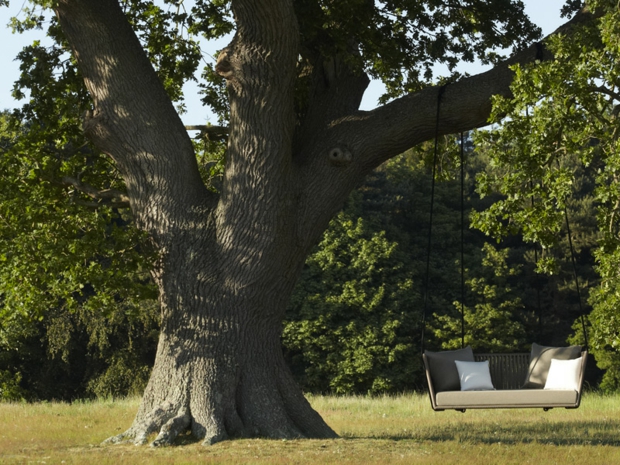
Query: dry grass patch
column 385, row 430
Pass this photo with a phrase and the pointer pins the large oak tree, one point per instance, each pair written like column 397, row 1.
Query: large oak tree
column 295, row 73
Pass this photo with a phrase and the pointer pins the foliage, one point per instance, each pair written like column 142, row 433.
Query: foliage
column 10, row 389
column 508, row 304
column 125, row 376
column 69, row 266
column 564, row 110
column 76, row 355
column 351, row 317
column 79, row 320
column 401, row 42
column 398, row 42
column 492, row 323
column 165, row 32
column 354, row 322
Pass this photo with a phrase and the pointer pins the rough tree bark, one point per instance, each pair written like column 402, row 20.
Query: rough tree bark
column 228, row 262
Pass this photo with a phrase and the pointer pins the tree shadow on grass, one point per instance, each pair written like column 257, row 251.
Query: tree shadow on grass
column 604, row 432
column 559, row 433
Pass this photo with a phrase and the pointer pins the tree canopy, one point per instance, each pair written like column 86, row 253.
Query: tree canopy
column 560, row 112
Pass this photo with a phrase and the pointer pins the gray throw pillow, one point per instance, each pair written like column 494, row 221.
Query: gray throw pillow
column 443, row 370
column 540, row 361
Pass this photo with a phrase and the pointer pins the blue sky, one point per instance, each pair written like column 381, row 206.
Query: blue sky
column 545, row 13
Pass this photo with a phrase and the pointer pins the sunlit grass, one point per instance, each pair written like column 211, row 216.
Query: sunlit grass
column 384, row 430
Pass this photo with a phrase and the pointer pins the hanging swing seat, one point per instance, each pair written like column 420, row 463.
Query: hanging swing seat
column 547, row 378
column 509, row 374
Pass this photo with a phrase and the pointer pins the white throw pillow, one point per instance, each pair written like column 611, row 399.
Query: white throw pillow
column 564, row 374
column 474, row 376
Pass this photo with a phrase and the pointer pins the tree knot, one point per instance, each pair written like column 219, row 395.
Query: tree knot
column 94, row 125
column 340, row 156
column 223, row 66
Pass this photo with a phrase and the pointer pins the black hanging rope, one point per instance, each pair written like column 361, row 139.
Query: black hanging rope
column 429, row 242
column 430, row 224
column 538, row 306
column 576, row 277
column 537, row 287
column 582, row 317
column 462, row 156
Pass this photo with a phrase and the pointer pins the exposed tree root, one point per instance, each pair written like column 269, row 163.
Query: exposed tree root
column 219, row 394
column 171, row 429
column 169, row 423
column 272, row 407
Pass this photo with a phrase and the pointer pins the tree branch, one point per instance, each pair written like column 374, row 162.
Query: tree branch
column 259, row 67
column 466, row 104
column 134, row 120
column 608, row 92
column 335, row 90
column 214, row 133
column 109, row 196
column 345, row 151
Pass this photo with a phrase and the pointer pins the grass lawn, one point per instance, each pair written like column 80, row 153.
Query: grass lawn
column 386, row 430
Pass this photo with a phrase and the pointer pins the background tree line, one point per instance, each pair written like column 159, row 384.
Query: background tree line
column 79, row 316
column 77, row 310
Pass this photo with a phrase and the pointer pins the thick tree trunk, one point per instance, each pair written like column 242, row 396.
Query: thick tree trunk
column 219, row 368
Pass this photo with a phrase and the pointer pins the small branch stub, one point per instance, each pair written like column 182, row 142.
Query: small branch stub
column 213, row 133
column 223, row 66
column 340, row 156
